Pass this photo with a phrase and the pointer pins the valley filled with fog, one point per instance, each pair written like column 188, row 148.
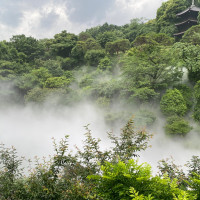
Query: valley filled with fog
column 110, row 113
column 31, row 128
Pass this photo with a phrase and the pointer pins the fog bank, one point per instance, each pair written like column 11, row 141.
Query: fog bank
column 30, row 130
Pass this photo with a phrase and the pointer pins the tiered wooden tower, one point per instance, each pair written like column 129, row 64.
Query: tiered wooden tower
column 187, row 18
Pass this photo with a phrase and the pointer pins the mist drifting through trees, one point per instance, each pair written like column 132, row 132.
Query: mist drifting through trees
column 124, row 95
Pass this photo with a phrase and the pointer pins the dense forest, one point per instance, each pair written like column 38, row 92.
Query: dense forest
column 136, row 69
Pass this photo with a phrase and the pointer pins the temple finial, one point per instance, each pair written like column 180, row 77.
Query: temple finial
column 192, row 2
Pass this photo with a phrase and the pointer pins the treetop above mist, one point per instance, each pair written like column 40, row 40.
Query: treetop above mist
column 138, row 63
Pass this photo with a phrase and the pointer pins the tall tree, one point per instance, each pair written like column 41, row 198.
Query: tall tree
column 117, row 46
column 29, row 46
column 63, row 43
column 187, row 56
column 148, row 69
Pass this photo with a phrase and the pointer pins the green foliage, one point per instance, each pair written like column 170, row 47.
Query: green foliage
column 37, row 95
column 105, row 37
column 187, row 93
column 69, row 75
column 9, row 53
column 92, row 44
column 196, row 112
column 187, row 55
column 68, row 63
column 117, row 179
column 26, row 82
column 177, row 126
column 57, row 82
column 192, row 35
column 127, row 180
column 54, row 67
column 10, row 172
column 52, row 96
column 114, row 118
column 91, row 173
column 173, row 171
column 144, row 118
column 4, row 51
column 110, row 89
column 117, row 46
column 197, row 91
column 36, row 78
column 103, row 102
column 166, row 15
column 126, row 146
column 121, row 45
column 153, row 39
column 63, row 43
column 110, row 48
column 138, row 27
column 193, row 180
column 93, row 57
column 29, row 46
column 40, row 72
column 85, row 81
column 78, row 52
column 194, row 165
column 173, row 103
column 184, row 196
column 8, row 68
column 130, row 142
column 136, row 195
column 105, row 63
column 95, row 31
column 194, row 184
column 83, row 36
column 144, row 94
column 45, row 182
column 148, row 68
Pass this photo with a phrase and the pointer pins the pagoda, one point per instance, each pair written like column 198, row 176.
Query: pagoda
column 188, row 18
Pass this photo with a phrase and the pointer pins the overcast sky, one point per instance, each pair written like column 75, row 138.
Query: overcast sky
column 45, row 18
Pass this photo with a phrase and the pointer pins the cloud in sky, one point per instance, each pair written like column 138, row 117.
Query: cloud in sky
column 45, row 18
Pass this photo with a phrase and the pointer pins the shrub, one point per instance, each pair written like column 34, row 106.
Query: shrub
column 105, row 64
column 177, row 126
column 91, row 173
column 57, row 82
column 173, row 103
column 125, row 180
column 93, row 57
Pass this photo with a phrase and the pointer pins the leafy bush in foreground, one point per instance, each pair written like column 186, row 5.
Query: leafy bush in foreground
column 91, row 173
column 126, row 180
column 64, row 176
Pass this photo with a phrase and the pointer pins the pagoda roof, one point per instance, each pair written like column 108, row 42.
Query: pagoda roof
column 184, row 22
column 191, row 8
